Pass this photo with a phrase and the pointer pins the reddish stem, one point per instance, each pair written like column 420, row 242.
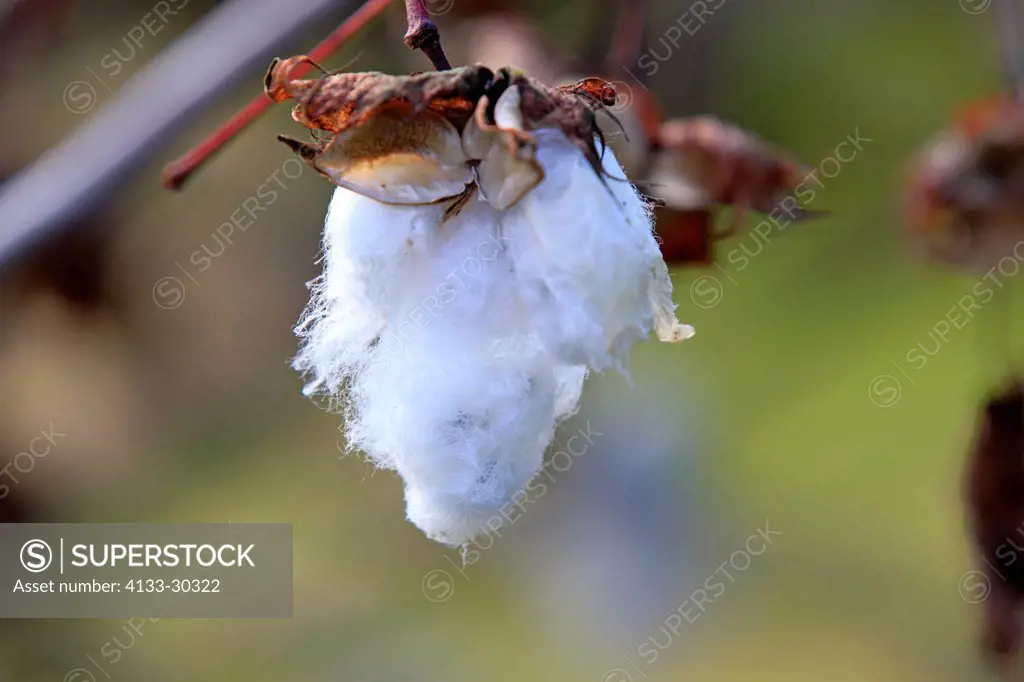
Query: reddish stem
column 177, row 172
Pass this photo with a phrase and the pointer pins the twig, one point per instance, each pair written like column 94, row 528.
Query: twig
column 177, row 172
column 89, row 166
column 423, row 34
column 158, row 101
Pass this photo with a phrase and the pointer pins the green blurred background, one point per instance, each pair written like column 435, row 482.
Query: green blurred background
column 775, row 410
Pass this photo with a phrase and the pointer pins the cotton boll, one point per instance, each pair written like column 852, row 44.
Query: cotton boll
column 459, row 333
column 589, row 268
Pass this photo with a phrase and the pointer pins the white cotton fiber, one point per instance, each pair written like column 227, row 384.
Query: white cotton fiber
column 466, row 430
column 447, row 383
column 590, row 270
column 366, row 247
column 462, row 404
column 568, row 389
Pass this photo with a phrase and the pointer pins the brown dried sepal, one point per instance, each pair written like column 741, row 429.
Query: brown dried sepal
column 341, row 100
column 504, row 152
column 501, row 136
column 410, row 139
column 571, row 109
column 394, row 157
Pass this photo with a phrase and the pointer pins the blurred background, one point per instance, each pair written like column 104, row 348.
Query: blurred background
column 155, row 353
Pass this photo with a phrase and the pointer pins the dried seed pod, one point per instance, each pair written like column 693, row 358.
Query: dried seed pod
column 728, row 165
column 995, row 501
column 702, row 163
column 965, row 204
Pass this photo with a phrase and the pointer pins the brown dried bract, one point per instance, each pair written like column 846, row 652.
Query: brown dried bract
column 995, row 507
column 966, row 195
column 476, row 103
column 569, row 108
column 340, row 100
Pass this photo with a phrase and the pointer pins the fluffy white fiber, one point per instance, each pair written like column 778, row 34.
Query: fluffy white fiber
column 456, row 346
column 590, row 271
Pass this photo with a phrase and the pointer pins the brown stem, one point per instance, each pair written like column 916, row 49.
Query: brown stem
column 176, row 173
column 423, row 34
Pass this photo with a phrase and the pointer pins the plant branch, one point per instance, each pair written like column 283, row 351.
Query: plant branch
column 95, row 161
column 423, row 35
column 160, row 100
column 177, row 172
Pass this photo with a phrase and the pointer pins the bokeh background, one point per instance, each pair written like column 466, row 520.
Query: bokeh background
column 794, row 409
